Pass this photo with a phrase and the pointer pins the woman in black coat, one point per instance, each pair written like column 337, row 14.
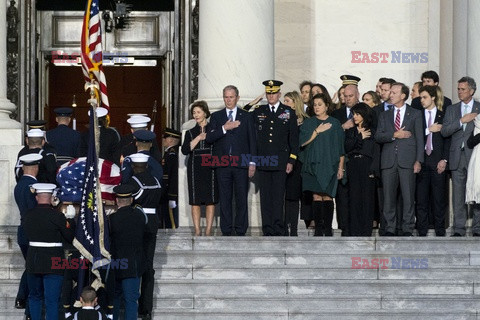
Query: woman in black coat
column 362, row 167
column 202, row 182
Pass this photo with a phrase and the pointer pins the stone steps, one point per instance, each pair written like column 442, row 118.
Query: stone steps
column 297, row 278
column 168, row 314
column 349, row 259
column 320, row 302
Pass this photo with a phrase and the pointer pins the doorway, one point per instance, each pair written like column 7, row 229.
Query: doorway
column 131, row 89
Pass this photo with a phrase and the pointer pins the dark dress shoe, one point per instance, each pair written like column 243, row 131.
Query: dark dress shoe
column 456, row 234
column 389, row 234
column 422, row 234
column 20, row 304
column 408, row 234
column 475, row 234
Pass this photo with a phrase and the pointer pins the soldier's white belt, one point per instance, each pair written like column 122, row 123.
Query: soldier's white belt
column 45, row 244
column 150, row 210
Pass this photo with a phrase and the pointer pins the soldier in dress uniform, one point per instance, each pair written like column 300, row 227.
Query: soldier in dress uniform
column 48, row 164
column 143, row 142
column 277, row 149
column 127, row 144
column 169, row 203
column 36, row 124
column 109, row 138
column 88, row 298
column 64, row 139
column 25, row 200
column 147, row 193
column 127, row 228
column 46, row 229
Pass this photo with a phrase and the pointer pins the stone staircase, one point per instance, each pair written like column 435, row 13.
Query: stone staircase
column 297, row 278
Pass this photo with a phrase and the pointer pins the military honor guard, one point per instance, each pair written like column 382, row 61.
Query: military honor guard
column 169, row 203
column 127, row 144
column 277, row 147
column 64, row 139
column 25, row 200
column 146, row 193
column 127, row 228
column 46, row 230
column 36, row 124
column 109, row 138
column 48, row 164
column 88, row 298
column 143, row 141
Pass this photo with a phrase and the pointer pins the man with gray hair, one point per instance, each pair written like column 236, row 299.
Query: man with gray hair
column 458, row 124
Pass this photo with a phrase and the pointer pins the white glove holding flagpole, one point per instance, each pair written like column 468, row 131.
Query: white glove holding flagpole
column 70, row 214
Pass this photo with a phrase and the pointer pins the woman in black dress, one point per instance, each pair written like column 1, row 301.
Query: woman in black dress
column 293, row 190
column 362, row 167
column 202, row 183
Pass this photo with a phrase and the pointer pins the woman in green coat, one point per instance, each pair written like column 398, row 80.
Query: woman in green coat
column 323, row 139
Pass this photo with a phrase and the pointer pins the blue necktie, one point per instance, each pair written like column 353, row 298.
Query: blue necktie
column 350, row 115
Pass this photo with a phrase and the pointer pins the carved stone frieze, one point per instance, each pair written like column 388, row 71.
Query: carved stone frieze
column 12, row 56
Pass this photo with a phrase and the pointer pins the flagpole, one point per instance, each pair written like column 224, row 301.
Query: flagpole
column 154, row 116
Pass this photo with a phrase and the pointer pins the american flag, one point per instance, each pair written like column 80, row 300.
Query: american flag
column 92, row 235
column 70, row 179
column 92, row 57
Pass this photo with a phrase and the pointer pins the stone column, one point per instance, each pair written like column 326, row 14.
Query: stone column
column 460, row 43
column 236, row 46
column 6, row 107
column 473, row 29
column 11, row 133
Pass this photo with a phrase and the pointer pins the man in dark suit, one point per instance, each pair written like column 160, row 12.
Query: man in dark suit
column 306, row 93
column 277, row 149
column 233, row 138
column 458, row 125
column 431, row 179
column 345, row 116
column 430, row 78
column 400, row 133
column 385, row 87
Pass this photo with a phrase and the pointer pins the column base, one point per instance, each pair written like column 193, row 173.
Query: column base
column 6, row 108
column 9, row 148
